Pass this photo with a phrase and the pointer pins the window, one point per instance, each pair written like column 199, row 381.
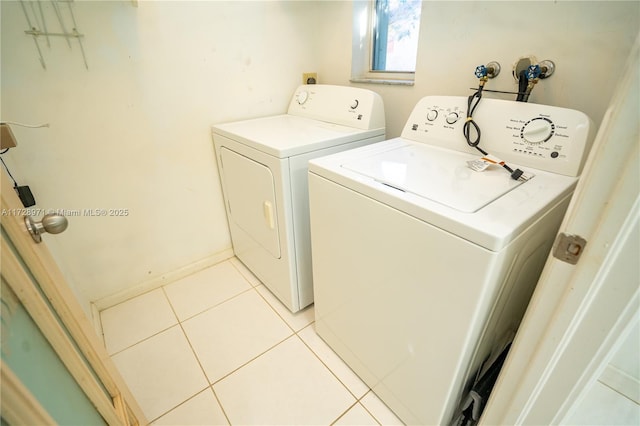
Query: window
column 385, row 40
column 395, row 35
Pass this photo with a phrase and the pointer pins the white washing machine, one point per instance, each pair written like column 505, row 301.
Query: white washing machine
column 263, row 170
column 422, row 265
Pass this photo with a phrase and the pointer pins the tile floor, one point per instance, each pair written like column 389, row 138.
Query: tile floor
column 218, row 348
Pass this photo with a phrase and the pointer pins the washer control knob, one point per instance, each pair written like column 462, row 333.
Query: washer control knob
column 302, row 97
column 452, row 117
column 537, row 130
column 432, row 115
column 354, row 104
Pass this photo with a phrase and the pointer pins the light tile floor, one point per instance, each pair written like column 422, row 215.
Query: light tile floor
column 218, row 348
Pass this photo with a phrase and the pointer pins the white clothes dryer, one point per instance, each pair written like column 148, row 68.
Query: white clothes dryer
column 263, row 170
column 421, row 265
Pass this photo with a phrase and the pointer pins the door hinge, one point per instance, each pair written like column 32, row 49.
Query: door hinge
column 569, row 248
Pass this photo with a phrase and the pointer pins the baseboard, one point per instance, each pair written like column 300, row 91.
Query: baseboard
column 164, row 279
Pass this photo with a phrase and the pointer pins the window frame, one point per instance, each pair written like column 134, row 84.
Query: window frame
column 362, row 50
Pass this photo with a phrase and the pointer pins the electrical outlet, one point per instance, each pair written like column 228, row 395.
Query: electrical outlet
column 309, row 78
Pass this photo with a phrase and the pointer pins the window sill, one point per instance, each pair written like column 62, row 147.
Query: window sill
column 382, row 81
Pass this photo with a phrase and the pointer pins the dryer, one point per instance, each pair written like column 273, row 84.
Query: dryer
column 421, row 265
column 263, row 171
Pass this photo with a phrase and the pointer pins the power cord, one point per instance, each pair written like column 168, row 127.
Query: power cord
column 24, row 192
column 472, row 104
column 15, row 184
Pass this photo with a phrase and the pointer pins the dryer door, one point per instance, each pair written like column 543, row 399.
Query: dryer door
column 250, row 192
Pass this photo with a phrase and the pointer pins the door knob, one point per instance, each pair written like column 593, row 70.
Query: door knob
column 51, row 223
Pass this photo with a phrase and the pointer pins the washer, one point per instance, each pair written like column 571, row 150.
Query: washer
column 263, row 170
column 422, row 265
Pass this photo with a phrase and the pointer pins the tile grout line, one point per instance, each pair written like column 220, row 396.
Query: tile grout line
column 243, row 273
column 210, row 307
column 367, row 410
column 274, row 309
column 155, row 333
column 251, row 360
column 251, row 287
column 180, row 323
column 296, row 333
column 327, row 367
column 210, row 384
column 195, row 355
column 332, row 373
column 357, row 400
column 363, row 407
column 224, row 412
column 343, row 414
column 143, row 340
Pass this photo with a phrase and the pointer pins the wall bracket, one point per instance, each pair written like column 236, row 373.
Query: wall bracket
column 37, row 22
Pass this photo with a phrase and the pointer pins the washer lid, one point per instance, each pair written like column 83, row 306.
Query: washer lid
column 437, row 174
column 287, row 135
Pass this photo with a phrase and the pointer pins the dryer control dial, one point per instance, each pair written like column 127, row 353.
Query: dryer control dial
column 537, row 130
column 302, row 97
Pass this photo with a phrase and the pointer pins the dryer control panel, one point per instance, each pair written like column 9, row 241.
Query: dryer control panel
column 348, row 106
column 540, row 136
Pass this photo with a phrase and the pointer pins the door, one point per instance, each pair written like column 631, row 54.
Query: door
column 250, row 190
column 580, row 314
column 55, row 368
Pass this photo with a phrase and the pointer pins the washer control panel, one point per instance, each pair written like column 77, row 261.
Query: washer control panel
column 540, row 136
column 348, row 106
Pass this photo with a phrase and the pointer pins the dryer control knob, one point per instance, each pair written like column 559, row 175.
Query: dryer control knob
column 452, row 117
column 302, row 97
column 432, row 115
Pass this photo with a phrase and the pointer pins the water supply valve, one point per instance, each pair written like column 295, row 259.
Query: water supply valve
column 527, row 71
column 491, row 70
column 481, row 71
column 546, row 68
column 533, row 72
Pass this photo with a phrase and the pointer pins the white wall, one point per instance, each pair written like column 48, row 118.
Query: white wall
column 589, row 42
column 133, row 131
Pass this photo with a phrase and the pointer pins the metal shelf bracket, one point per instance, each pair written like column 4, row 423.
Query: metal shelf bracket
column 37, row 23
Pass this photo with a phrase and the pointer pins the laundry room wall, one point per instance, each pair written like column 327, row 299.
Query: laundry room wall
column 589, row 42
column 131, row 133
column 130, row 136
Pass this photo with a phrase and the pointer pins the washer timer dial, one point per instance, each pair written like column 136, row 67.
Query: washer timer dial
column 537, row 130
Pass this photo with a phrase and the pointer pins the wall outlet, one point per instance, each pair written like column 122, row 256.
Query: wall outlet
column 309, row 78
